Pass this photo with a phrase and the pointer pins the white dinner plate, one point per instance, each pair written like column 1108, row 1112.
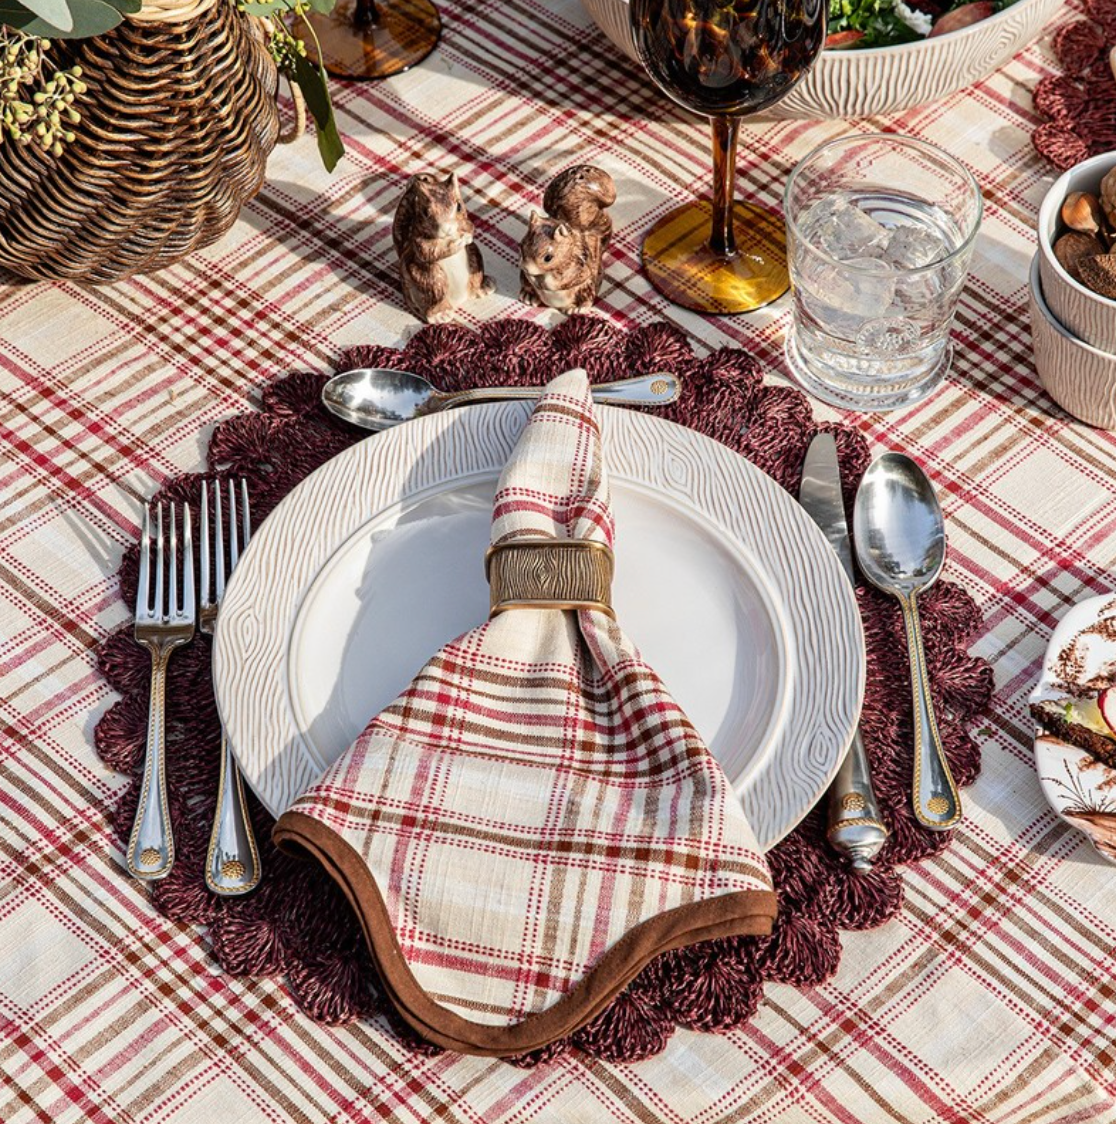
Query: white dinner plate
column 376, row 560
column 1081, row 789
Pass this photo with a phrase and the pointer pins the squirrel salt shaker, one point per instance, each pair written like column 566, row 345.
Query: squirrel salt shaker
column 560, row 258
column 439, row 265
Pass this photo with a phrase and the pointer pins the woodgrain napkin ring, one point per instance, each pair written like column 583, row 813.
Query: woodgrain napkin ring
column 550, row 574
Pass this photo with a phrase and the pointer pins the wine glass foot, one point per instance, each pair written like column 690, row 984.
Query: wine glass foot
column 679, row 262
column 400, row 36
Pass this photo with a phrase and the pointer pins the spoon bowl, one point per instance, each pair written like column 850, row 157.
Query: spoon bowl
column 375, row 398
column 899, row 528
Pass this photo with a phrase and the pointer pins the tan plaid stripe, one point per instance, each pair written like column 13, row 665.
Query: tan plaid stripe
column 987, row 1001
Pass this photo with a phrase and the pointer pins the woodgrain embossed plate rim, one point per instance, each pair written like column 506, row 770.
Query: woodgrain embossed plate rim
column 823, row 632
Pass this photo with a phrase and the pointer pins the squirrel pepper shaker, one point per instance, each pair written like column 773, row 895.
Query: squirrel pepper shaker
column 560, row 257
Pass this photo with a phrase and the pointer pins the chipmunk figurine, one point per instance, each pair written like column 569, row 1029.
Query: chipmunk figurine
column 439, row 265
column 559, row 266
column 560, row 257
column 580, row 196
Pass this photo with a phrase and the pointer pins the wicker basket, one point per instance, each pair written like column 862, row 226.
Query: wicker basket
column 176, row 128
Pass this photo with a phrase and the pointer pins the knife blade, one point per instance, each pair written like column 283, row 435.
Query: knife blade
column 855, row 827
column 820, row 495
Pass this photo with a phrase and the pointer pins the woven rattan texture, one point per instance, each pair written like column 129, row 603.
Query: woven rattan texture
column 177, row 125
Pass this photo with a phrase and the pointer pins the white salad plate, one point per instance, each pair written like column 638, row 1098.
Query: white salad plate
column 1080, row 789
column 377, row 559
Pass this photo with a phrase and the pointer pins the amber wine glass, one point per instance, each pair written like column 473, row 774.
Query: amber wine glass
column 364, row 39
column 723, row 59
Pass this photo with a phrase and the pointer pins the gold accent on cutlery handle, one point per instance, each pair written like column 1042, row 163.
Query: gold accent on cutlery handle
column 150, row 853
column 232, row 865
column 937, row 803
column 855, row 827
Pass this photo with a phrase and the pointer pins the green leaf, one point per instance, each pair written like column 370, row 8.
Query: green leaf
column 127, row 6
column 14, row 17
column 323, row 6
column 261, row 9
column 56, row 12
column 89, row 17
column 311, row 81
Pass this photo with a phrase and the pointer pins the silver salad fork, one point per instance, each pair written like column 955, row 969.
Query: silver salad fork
column 161, row 626
column 232, row 865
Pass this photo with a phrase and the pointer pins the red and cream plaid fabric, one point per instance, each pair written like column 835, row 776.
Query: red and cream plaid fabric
column 991, row 998
column 534, row 818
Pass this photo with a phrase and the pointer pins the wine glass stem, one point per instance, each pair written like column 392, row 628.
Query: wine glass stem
column 365, row 15
column 722, row 240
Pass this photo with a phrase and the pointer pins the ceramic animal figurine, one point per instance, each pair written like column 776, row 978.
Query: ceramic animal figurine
column 560, row 258
column 439, row 265
column 559, row 266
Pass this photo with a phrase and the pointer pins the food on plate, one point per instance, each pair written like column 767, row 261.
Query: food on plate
column 1086, row 721
column 886, row 23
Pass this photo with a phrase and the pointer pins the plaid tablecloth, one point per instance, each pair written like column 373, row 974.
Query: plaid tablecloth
column 990, row 1000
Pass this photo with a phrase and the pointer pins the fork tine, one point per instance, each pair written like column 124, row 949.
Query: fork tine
column 172, row 598
column 159, row 563
column 234, row 541
column 219, row 557
column 143, row 588
column 189, row 608
column 205, row 544
column 245, row 517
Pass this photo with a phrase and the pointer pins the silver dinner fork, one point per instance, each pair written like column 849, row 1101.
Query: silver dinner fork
column 161, row 626
column 232, row 865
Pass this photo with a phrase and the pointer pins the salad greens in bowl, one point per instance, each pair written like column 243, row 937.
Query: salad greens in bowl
column 887, row 23
column 884, row 56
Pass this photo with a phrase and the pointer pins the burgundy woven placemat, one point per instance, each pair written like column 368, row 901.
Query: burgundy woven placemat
column 297, row 926
column 1079, row 105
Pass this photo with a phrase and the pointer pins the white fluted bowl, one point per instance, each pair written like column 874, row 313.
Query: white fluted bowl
column 1080, row 378
column 884, row 79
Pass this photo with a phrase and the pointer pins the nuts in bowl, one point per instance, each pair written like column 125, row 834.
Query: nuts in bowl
column 1077, row 251
column 1087, row 247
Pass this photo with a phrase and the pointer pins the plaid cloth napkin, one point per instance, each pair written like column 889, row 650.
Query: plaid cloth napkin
column 534, row 818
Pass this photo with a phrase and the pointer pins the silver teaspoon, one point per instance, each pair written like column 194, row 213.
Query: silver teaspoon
column 901, row 547
column 374, row 398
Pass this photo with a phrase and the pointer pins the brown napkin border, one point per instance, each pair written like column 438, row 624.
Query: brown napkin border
column 302, row 835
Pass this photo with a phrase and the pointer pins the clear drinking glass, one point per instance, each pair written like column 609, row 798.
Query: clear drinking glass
column 880, row 231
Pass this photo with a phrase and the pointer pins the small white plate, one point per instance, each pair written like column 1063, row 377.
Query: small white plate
column 1078, row 787
column 376, row 560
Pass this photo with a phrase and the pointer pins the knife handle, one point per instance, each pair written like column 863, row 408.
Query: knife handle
column 855, row 827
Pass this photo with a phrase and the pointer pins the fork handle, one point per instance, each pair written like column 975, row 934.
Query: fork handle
column 151, row 846
column 232, row 866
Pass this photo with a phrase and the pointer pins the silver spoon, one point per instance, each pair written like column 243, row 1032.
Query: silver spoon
column 901, row 547
column 374, row 398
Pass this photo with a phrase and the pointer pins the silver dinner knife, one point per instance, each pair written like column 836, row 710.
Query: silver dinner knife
column 855, row 827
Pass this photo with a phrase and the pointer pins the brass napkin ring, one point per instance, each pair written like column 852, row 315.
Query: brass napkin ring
column 550, row 574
